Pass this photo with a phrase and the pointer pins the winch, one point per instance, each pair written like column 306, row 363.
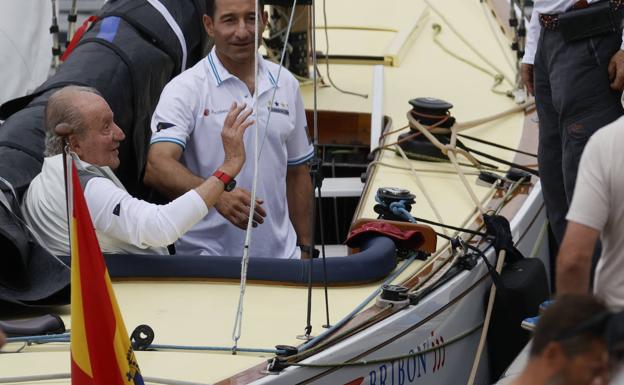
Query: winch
column 394, row 203
column 434, row 114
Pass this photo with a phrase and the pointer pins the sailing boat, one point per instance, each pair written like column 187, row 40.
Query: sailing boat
column 426, row 325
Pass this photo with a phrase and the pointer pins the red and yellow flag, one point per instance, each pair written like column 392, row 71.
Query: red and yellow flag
column 101, row 353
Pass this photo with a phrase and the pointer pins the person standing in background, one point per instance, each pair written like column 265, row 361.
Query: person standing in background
column 574, row 65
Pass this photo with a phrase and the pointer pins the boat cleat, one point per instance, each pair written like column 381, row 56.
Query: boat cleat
column 393, row 295
column 275, row 366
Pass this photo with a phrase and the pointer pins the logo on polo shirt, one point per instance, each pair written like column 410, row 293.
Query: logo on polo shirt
column 215, row 112
column 278, row 107
column 163, row 126
column 117, row 209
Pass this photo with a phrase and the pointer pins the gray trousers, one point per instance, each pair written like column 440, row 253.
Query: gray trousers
column 573, row 101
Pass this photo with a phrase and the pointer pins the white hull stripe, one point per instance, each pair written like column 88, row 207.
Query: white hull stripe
column 174, row 27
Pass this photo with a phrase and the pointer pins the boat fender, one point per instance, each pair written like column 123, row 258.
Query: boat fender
column 142, row 337
column 47, row 324
column 524, row 286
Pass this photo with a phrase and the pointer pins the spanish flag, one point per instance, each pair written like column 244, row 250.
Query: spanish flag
column 101, row 353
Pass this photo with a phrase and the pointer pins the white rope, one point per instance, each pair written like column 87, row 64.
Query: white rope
column 422, row 188
column 486, row 322
column 477, row 122
column 472, row 48
column 496, row 34
column 460, row 172
column 238, row 323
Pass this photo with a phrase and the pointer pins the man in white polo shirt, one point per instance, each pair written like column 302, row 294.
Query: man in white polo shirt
column 597, row 209
column 185, row 145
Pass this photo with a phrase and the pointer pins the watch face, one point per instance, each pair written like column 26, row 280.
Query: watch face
column 230, row 186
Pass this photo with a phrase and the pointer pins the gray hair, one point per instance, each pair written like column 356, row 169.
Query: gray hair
column 61, row 109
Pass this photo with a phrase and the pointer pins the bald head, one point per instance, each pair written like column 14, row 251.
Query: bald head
column 64, row 115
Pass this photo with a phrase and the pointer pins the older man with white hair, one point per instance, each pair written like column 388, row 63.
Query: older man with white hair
column 123, row 224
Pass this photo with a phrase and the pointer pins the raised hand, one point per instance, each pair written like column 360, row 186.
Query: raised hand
column 234, row 126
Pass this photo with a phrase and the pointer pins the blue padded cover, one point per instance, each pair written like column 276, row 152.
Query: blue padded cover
column 376, row 260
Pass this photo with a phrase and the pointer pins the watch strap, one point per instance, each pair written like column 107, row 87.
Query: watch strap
column 225, row 178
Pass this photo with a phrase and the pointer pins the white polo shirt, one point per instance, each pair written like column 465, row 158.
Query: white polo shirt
column 597, row 203
column 191, row 112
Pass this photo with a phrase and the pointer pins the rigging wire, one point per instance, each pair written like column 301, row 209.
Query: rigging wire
column 238, row 322
column 308, row 328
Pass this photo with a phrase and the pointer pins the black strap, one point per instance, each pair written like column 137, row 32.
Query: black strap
column 498, row 227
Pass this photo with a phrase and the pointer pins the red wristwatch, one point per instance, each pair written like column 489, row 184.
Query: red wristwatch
column 227, row 180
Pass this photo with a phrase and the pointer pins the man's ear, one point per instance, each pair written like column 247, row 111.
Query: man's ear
column 74, row 144
column 554, row 355
column 208, row 25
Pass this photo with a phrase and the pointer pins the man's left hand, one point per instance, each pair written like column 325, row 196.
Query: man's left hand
column 616, row 71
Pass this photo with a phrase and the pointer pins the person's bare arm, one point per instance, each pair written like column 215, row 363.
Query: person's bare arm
column 526, row 71
column 234, row 126
column 574, row 259
column 165, row 173
column 299, row 194
column 616, row 71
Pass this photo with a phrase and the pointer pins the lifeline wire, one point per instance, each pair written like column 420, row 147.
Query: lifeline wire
column 358, row 308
